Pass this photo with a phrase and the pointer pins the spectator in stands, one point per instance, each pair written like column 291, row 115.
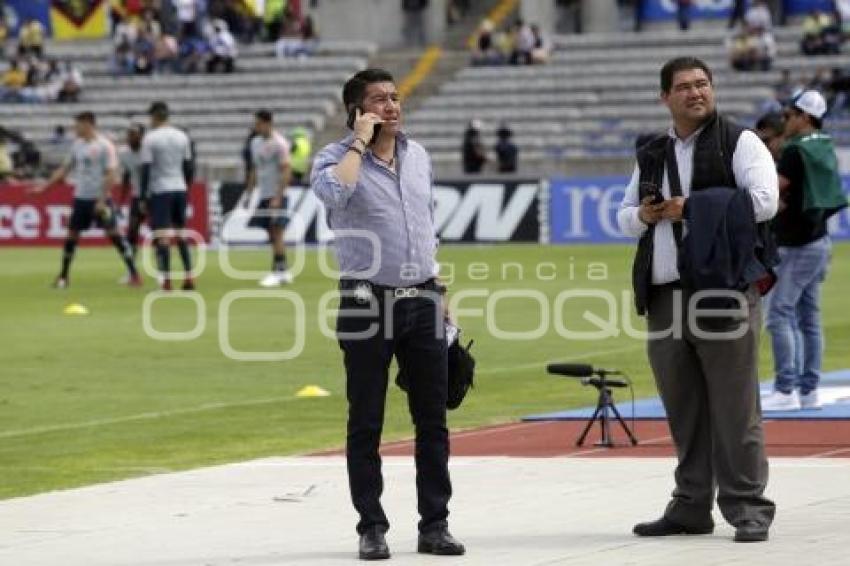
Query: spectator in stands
column 540, row 52
column 150, row 24
column 414, row 21
column 298, row 37
column 742, row 51
column 758, row 16
column 474, row 154
column 123, row 59
column 786, row 88
column 842, row 10
column 737, row 13
column 31, row 39
column 683, row 14
column 143, row 54
column 188, row 16
column 821, row 81
column 273, row 18
column 166, row 54
column 485, row 51
column 507, row 152
column 820, row 34
column 752, row 49
column 523, row 43
column 4, row 35
column 14, row 80
column 193, row 50
column 72, row 83
column 223, row 49
column 6, row 166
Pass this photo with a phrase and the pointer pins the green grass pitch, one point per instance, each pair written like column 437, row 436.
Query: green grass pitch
column 88, row 399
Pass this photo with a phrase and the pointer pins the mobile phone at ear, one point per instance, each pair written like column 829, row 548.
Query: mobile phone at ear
column 352, row 116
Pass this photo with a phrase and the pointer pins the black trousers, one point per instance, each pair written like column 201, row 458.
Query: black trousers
column 411, row 330
column 710, row 391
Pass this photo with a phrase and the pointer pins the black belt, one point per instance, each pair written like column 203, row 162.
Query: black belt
column 380, row 291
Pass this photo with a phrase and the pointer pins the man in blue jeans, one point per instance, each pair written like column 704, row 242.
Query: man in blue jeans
column 810, row 192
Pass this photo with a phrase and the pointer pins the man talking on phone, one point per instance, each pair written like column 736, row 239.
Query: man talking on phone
column 376, row 184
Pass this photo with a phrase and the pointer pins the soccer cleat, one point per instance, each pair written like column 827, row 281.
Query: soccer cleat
column 60, row 283
column 810, row 401
column 134, row 280
column 165, row 284
column 276, row 279
column 779, row 401
column 188, row 284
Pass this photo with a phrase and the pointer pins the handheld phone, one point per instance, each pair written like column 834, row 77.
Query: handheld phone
column 352, row 115
column 652, row 190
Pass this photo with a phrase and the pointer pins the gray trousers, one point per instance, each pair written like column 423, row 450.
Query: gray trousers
column 709, row 388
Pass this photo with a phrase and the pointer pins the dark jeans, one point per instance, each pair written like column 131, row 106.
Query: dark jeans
column 407, row 329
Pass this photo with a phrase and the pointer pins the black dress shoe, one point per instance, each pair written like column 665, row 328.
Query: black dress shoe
column 439, row 541
column 373, row 545
column 750, row 531
column 665, row 527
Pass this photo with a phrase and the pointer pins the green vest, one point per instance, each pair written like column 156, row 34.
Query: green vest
column 274, row 10
column 823, row 195
column 299, row 156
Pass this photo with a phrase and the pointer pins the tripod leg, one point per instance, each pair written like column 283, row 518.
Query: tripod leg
column 590, row 422
column 624, row 425
column 606, row 439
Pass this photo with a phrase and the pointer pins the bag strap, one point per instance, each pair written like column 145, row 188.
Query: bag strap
column 675, row 185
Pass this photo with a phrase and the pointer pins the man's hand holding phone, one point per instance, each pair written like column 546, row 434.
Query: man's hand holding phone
column 366, row 125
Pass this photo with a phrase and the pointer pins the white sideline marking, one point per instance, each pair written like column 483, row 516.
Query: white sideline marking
column 142, row 417
column 216, row 406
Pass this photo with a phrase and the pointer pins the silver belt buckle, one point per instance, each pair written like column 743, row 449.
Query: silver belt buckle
column 405, row 292
column 362, row 293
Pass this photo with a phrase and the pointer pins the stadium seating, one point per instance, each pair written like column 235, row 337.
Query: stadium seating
column 596, row 95
column 216, row 109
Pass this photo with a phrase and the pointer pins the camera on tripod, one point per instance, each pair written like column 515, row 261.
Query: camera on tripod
column 605, row 406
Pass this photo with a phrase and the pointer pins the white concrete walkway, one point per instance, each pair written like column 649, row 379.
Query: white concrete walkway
column 508, row 511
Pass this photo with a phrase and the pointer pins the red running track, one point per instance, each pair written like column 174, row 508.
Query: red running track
column 785, row 438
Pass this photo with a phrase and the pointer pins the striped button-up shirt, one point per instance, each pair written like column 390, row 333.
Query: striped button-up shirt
column 383, row 223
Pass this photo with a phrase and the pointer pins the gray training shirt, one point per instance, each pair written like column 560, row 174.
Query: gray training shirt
column 268, row 155
column 89, row 162
column 165, row 149
column 131, row 163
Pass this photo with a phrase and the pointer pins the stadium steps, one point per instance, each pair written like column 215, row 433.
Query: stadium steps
column 597, row 93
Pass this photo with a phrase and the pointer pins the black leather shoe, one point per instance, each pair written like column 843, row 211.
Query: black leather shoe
column 750, row 531
column 665, row 527
column 373, row 545
column 439, row 541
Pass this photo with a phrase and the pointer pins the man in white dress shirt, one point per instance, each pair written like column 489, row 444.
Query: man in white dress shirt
column 708, row 384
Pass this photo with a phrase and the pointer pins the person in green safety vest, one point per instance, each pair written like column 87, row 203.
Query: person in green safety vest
column 273, row 18
column 299, row 157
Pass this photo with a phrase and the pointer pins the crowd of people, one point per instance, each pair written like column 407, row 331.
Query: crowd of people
column 190, row 36
column 522, row 44
column 31, row 76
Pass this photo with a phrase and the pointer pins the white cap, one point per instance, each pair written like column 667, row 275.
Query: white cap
column 812, row 103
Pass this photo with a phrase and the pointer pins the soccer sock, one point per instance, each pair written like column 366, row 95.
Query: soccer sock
column 68, row 256
column 125, row 251
column 185, row 256
column 279, row 262
column 163, row 258
column 133, row 237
